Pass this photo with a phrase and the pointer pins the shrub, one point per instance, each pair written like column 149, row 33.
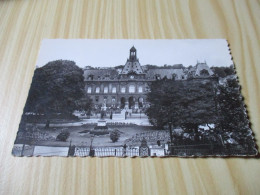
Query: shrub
column 114, row 135
column 63, row 136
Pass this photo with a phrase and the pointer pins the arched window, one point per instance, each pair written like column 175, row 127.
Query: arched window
column 204, row 72
column 140, row 89
column 97, row 89
column 113, row 99
column 113, row 89
column 105, row 99
column 89, row 90
column 131, row 89
column 105, row 89
column 123, row 90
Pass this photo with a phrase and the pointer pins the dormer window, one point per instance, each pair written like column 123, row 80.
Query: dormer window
column 91, row 77
column 157, row 77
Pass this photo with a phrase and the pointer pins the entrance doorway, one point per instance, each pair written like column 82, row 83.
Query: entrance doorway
column 131, row 101
column 122, row 105
column 140, row 102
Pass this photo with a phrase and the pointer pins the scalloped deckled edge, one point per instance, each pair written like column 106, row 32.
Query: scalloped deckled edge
column 188, row 156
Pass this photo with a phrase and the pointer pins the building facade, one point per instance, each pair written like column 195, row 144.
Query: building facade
column 127, row 87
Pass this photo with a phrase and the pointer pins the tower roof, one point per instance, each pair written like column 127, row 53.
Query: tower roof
column 133, row 49
column 132, row 64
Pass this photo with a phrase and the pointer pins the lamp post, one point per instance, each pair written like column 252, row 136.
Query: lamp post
column 124, row 149
column 91, row 150
column 171, row 139
column 170, row 129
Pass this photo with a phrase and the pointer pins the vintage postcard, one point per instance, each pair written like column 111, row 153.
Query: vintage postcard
column 134, row 98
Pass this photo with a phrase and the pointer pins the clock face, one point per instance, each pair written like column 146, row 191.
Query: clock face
column 132, row 77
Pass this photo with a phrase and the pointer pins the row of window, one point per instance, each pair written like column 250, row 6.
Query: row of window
column 131, row 89
column 105, row 99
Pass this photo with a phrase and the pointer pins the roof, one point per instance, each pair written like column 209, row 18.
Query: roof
column 202, row 66
column 151, row 73
column 133, row 49
column 100, row 74
column 132, row 67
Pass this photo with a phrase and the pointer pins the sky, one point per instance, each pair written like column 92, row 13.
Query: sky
column 110, row 53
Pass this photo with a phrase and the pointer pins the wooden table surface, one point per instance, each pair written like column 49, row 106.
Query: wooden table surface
column 24, row 23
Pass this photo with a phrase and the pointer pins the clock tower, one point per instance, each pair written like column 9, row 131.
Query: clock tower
column 132, row 65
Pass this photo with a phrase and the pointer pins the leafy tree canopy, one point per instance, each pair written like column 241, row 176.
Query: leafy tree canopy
column 223, row 71
column 232, row 111
column 184, row 103
column 55, row 88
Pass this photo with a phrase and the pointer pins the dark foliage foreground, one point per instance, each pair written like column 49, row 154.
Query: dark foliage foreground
column 191, row 103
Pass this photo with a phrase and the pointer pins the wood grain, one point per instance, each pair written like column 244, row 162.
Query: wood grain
column 24, row 23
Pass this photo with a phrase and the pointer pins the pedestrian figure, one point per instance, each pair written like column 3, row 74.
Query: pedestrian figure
column 102, row 114
column 111, row 115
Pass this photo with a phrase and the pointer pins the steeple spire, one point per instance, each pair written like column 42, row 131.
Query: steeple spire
column 132, row 56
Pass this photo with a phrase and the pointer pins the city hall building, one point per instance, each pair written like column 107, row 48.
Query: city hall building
column 126, row 87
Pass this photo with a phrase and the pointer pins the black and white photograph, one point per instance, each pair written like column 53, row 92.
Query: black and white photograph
column 135, row 98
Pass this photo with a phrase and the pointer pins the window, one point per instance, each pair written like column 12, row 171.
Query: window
column 204, row 72
column 157, row 77
column 113, row 99
column 140, row 89
column 91, row 77
column 123, row 90
column 89, row 90
column 131, row 89
column 98, row 90
column 105, row 100
column 105, row 89
column 97, row 98
column 114, row 90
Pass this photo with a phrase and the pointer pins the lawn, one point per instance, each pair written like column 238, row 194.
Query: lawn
column 80, row 135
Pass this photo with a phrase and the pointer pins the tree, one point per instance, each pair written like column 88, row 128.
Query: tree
column 55, row 88
column 114, row 135
column 85, row 104
column 184, row 103
column 232, row 114
column 223, row 71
